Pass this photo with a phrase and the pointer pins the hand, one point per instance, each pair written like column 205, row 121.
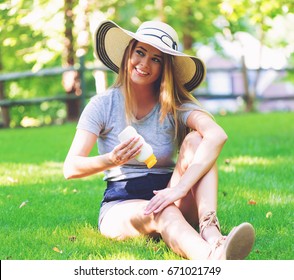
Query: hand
column 125, row 151
column 163, row 198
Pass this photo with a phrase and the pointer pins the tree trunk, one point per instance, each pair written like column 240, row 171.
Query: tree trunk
column 251, row 89
column 187, row 41
column 248, row 97
column 189, row 24
column 70, row 80
column 4, row 110
column 159, row 4
column 258, row 71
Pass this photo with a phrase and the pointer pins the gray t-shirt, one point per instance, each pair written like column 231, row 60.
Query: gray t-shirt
column 104, row 116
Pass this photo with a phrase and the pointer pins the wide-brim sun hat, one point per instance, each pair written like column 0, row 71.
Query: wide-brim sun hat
column 110, row 42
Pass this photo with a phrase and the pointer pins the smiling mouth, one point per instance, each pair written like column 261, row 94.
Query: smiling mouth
column 141, row 72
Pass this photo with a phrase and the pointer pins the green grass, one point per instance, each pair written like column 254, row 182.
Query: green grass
column 59, row 219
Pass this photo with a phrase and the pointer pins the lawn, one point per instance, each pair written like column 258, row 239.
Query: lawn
column 45, row 217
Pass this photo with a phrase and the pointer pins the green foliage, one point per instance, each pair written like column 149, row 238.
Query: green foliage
column 28, row 36
column 45, row 113
column 34, row 29
column 253, row 16
column 32, row 35
column 43, row 216
column 194, row 17
column 29, row 41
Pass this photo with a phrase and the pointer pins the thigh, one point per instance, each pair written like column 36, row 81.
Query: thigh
column 188, row 207
column 126, row 219
column 187, row 204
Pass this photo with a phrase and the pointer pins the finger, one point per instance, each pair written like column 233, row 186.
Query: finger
column 134, row 146
column 161, row 207
column 156, row 208
column 118, row 156
column 152, row 205
column 131, row 147
column 123, row 147
column 134, row 142
column 133, row 152
column 125, row 144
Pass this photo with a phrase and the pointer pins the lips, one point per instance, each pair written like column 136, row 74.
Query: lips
column 141, row 72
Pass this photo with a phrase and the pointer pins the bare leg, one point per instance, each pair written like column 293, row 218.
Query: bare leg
column 180, row 236
column 175, row 223
column 202, row 198
column 127, row 219
column 201, row 204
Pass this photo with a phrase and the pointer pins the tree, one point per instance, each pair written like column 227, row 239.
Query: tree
column 70, row 79
column 29, row 40
column 4, row 110
column 193, row 21
column 37, row 34
column 255, row 17
column 12, row 36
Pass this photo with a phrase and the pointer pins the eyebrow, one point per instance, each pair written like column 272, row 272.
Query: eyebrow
column 160, row 56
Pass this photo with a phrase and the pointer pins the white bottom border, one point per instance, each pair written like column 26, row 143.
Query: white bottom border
column 153, row 269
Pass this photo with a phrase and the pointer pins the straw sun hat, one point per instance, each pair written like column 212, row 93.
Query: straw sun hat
column 110, row 42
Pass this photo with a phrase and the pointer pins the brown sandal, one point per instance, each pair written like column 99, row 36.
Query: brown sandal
column 209, row 219
column 236, row 246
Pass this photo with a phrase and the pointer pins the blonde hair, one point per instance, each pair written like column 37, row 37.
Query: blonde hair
column 171, row 93
column 123, row 81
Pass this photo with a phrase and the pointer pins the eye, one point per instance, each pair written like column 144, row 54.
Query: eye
column 140, row 53
column 157, row 60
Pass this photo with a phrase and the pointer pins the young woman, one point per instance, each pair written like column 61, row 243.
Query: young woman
column 152, row 94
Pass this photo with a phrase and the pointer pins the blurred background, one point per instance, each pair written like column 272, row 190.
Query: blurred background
column 48, row 71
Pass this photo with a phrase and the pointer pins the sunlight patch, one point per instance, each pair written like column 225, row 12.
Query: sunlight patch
column 247, row 160
column 120, row 256
column 13, row 174
column 231, row 163
column 228, row 168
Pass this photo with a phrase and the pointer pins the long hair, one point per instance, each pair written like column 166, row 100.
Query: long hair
column 172, row 95
column 170, row 92
column 123, row 80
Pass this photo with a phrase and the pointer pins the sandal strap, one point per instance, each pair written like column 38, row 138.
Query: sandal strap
column 219, row 242
column 209, row 219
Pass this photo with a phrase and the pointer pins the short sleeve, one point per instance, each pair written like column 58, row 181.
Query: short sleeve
column 92, row 118
column 187, row 108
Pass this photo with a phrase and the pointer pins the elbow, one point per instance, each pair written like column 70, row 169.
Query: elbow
column 222, row 137
column 218, row 137
column 66, row 175
column 66, row 172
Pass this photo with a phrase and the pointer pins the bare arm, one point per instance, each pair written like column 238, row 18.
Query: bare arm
column 213, row 139
column 208, row 151
column 78, row 164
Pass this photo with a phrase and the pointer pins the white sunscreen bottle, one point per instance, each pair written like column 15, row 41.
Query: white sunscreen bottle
column 146, row 155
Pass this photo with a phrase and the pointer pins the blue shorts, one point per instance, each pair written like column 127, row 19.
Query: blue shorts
column 135, row 188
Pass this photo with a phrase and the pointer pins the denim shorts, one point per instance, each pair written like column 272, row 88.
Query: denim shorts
column 135, row 188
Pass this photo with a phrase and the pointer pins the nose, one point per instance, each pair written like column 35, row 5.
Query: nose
column 144, row 61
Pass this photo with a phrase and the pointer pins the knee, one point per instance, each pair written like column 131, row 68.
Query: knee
column 168, row 216
column 191, row 141
column 188, row 149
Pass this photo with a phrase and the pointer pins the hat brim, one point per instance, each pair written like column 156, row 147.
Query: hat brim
column 110, row 42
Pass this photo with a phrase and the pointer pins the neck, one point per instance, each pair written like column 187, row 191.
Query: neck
column 144, row 95
column 145, row 99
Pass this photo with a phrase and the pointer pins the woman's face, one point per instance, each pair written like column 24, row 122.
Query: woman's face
column 145, row 65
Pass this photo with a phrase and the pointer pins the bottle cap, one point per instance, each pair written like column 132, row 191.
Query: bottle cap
column 151, row 161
